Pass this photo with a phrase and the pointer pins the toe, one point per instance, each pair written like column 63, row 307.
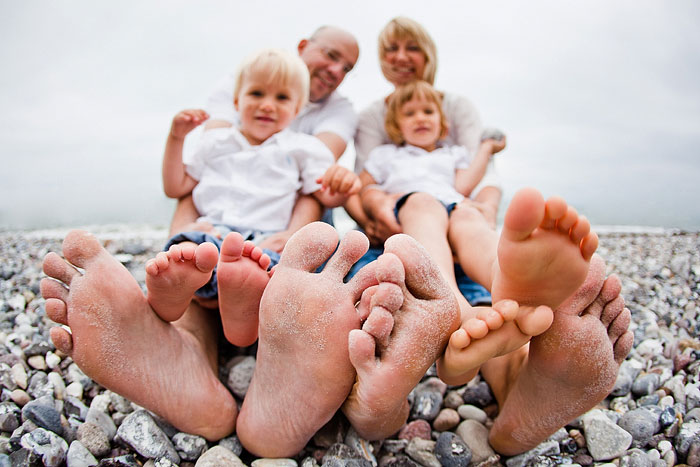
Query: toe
column 387, row 295
column 62, row 339
column 361, row 348
column 56, row 310
column 80, row 248
column 353, row 245
column 56, row 267
column 232, row 247
column 379, row 324
column 555, row 208
column 364, row 307
column 589, row 245
column 422, row 276
column 459, row 339
column 580, row 229
column 476, row 328
column 524, row 214
column 206, row 256
column 533, row 322
column 53, row 289
column 310, row 247
column 565, row 223
column 611, row 310
column 622, row 346
column 619, row 325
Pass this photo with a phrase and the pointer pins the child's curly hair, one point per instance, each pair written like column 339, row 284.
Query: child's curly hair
column 403, row 94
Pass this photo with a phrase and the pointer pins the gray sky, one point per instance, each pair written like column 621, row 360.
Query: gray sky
column 600, row 100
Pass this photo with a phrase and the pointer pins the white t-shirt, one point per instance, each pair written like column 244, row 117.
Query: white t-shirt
column 254, row 187
column 333, row 114
column 465, row 129
column 405, row 169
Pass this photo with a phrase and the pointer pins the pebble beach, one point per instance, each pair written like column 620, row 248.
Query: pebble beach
column 52, row 414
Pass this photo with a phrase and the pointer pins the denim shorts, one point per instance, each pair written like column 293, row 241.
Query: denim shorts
column 473, row 292
column 210, row 289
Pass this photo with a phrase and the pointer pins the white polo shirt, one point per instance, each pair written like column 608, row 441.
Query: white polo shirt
column 254, row 187
column 333, row 114
column 405, row 169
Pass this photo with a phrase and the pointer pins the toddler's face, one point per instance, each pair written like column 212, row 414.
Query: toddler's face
column 265, row 108
column 419, row 122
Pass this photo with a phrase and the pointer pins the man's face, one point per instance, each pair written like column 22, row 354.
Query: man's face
column 330, row 55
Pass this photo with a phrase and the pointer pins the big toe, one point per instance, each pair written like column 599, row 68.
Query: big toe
column 524, row 214
column 310, row 247
column 422, row 276
column 81, row 248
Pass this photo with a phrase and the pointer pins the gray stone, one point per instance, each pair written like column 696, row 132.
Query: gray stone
column 478, row 394
column 126, row 460
column 9, row 416
column 101, row 419
column 642, row 424
column 635, row 458
column 426, row 405
column 264, row 462
column 476, row 436
column 605, row 440
column 360, row 445
column 423, row 452
column 143, row 434
column 240, row 375
column 547, row 448
column 340, row 454
column 79, row 456
column 44, row 416
column 39, row 385
column 645, row 384
column 94, row 439
column 47, row 445
column 233, row 444
column 688, row 436
column 188, row 446
column 75, row 407
column 452, row 451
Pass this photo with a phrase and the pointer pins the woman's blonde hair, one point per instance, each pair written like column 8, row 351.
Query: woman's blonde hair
column 402, row 28
column 276, row 66
column 403, row 94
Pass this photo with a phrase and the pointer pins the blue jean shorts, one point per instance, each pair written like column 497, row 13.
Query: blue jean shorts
column 211, row 289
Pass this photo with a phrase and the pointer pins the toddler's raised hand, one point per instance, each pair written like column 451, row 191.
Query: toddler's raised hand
column 338, row 179
column 186, row 121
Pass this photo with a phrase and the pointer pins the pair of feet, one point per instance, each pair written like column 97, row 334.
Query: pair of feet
column 329, row 353
column 173, row 277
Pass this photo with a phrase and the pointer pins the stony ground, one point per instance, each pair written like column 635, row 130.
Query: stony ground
column 51, row 414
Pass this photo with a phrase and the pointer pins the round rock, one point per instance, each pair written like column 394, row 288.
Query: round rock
column 451, row 451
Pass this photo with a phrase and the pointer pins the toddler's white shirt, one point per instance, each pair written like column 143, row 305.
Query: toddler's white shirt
column 254, row 187
column 405, row 169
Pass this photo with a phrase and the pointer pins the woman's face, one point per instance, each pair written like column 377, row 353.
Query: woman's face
column 403, row 61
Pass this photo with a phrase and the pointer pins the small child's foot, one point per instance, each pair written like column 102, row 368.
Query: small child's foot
column 174, row 276
column 242, row 277
column 491, row 333
column 544, row 251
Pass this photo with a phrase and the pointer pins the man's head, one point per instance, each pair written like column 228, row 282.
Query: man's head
column 330, row 53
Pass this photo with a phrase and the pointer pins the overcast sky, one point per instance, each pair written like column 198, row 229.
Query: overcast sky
column 600, row 99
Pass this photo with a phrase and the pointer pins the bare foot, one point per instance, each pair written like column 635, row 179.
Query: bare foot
column 543, row 252
column 242, row 276
column 172, row 278
column 303, row 373
column 412, row 314
column 493, row 332
column 119, row 341
column 570, row 367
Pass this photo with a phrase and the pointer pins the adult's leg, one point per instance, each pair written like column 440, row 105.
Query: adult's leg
column 117, row 339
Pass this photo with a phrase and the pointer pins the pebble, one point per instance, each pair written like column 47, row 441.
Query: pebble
column 452, row 451
column 660, row 276
column 240, row 375
column 141, row 432
column 94, row 439
column 604, row 439
column 642, row 424
column 423, row 452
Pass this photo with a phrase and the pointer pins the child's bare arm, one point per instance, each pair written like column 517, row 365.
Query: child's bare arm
column 467, row 179
column 337, row 185
column 176, row 181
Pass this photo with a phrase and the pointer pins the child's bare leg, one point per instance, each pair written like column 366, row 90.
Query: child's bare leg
column 174, row 276
column 570, row 367
column 242, row 276
column 425, row 219
column 305, row 318
column 118, row 340
column 411, row 315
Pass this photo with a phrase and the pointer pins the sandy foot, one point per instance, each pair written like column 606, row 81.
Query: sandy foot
column 172, row 278
column 120, row 342
column 303, row 373
column 412, row 314
column 242, row 276
column 570, row 367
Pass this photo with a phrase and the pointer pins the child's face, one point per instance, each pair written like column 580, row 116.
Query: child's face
column 265, row 108
column 419, row 122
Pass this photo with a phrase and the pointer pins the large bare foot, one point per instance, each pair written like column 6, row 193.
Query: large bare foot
column 118, row 340
column 570, row 367
column 543, row 252
column 242, row 276
column 303, row 373
column 412, row 314
column 172, row 278
column 493, row 332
